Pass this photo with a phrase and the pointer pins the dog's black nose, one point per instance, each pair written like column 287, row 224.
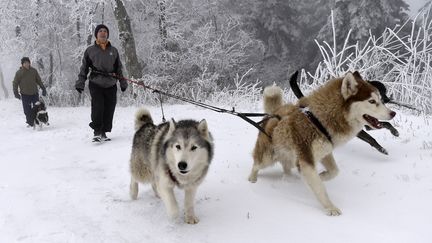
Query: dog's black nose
column 182, row 165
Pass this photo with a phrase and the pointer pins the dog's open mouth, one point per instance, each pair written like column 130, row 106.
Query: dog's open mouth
column 373, row 122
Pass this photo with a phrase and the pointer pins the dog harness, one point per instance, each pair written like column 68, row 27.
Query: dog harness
column 312, row 118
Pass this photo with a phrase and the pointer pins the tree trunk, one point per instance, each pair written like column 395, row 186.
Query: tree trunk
column 132, row 64
column 90, row 35
column 2, row 84
column 78, row 27
column 162, row 23
column 51, row 70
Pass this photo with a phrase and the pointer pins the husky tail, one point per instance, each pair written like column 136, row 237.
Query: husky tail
column 272, row 99
column 142, row 117
column 294, row 85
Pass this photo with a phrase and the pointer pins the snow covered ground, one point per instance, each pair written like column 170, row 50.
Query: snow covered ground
column 57, row 186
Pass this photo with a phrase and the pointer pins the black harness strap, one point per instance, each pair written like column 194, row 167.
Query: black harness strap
column 316, row 122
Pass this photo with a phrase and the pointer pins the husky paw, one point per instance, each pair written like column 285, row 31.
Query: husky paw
column 333, row 211
column 383, row 150
column 326, row 175
column 394, row 132
column 191, row 219
column 173, row 213
column 133, row 195
column 253, row 178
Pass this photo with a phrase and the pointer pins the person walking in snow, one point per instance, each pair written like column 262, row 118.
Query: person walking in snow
column 25, row 88
column 102, row 60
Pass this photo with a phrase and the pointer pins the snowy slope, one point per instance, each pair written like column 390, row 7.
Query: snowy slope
column 57, row 186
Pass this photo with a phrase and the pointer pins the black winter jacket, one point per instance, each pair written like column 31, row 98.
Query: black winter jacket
column 106, row 61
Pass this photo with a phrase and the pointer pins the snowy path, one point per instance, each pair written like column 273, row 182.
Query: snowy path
column 57, row 186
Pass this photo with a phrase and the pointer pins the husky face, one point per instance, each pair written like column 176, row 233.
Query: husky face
column 371, row 110
column 188, row 149
column 366, row 104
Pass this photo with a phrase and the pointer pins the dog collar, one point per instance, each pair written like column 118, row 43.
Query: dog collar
column 171, row 176
column 316, row 122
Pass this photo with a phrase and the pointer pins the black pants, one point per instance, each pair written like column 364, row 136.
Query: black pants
column 28, row 102
column 103, row 102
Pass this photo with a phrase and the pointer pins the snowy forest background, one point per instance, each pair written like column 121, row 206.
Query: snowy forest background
column 222, row 51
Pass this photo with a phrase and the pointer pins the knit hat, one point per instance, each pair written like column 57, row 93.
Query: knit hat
column 98, row 27
column 25, row 59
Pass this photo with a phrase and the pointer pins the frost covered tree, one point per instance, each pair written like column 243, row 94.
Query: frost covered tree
column 127, row 40
column 190, row 47
column 363, row 18
column 285, row 28
column 2, row 84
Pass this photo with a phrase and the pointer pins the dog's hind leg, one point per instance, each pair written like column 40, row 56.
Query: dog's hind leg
column 312, row 178
column 331, row 168
column 259, row 164
column 190, row 217
column 133, row 189
column 155, row 189
column 287, row 164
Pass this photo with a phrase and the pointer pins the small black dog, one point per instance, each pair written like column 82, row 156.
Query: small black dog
column 39, row 115
column 362, row 134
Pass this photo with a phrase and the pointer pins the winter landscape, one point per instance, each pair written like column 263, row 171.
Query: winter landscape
column 56, row 185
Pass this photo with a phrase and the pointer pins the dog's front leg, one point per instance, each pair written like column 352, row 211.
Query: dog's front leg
column 390, row 127
column 190, row 217
column 370, row 140
column 133, row 189
column 331, row 169
column 312, row 178
column 166, row 193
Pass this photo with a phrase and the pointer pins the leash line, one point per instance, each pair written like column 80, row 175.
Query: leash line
column 244, row 116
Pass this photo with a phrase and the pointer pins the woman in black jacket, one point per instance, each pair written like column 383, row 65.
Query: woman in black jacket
column 103, row 61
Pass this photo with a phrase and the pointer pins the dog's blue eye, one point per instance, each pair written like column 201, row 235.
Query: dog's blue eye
column 194, row 147
column 178, row 147
column 372, row 101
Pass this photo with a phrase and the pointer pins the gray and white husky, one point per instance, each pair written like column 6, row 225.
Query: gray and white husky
column 168, row 155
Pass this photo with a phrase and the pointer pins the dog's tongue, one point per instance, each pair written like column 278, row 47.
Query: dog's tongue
column 372, row 121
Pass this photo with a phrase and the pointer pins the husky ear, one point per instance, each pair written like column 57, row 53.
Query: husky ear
column 357, row 75
column 203, row 129
column 172, row 126
column 349, row 85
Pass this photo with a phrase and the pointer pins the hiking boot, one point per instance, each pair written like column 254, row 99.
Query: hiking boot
column 104, row 137
column 97, row 137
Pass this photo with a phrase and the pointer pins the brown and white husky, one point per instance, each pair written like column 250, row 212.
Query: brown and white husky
column 306, row 133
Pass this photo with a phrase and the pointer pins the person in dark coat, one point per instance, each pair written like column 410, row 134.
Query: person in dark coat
column 102, row 60
column 25, row 88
